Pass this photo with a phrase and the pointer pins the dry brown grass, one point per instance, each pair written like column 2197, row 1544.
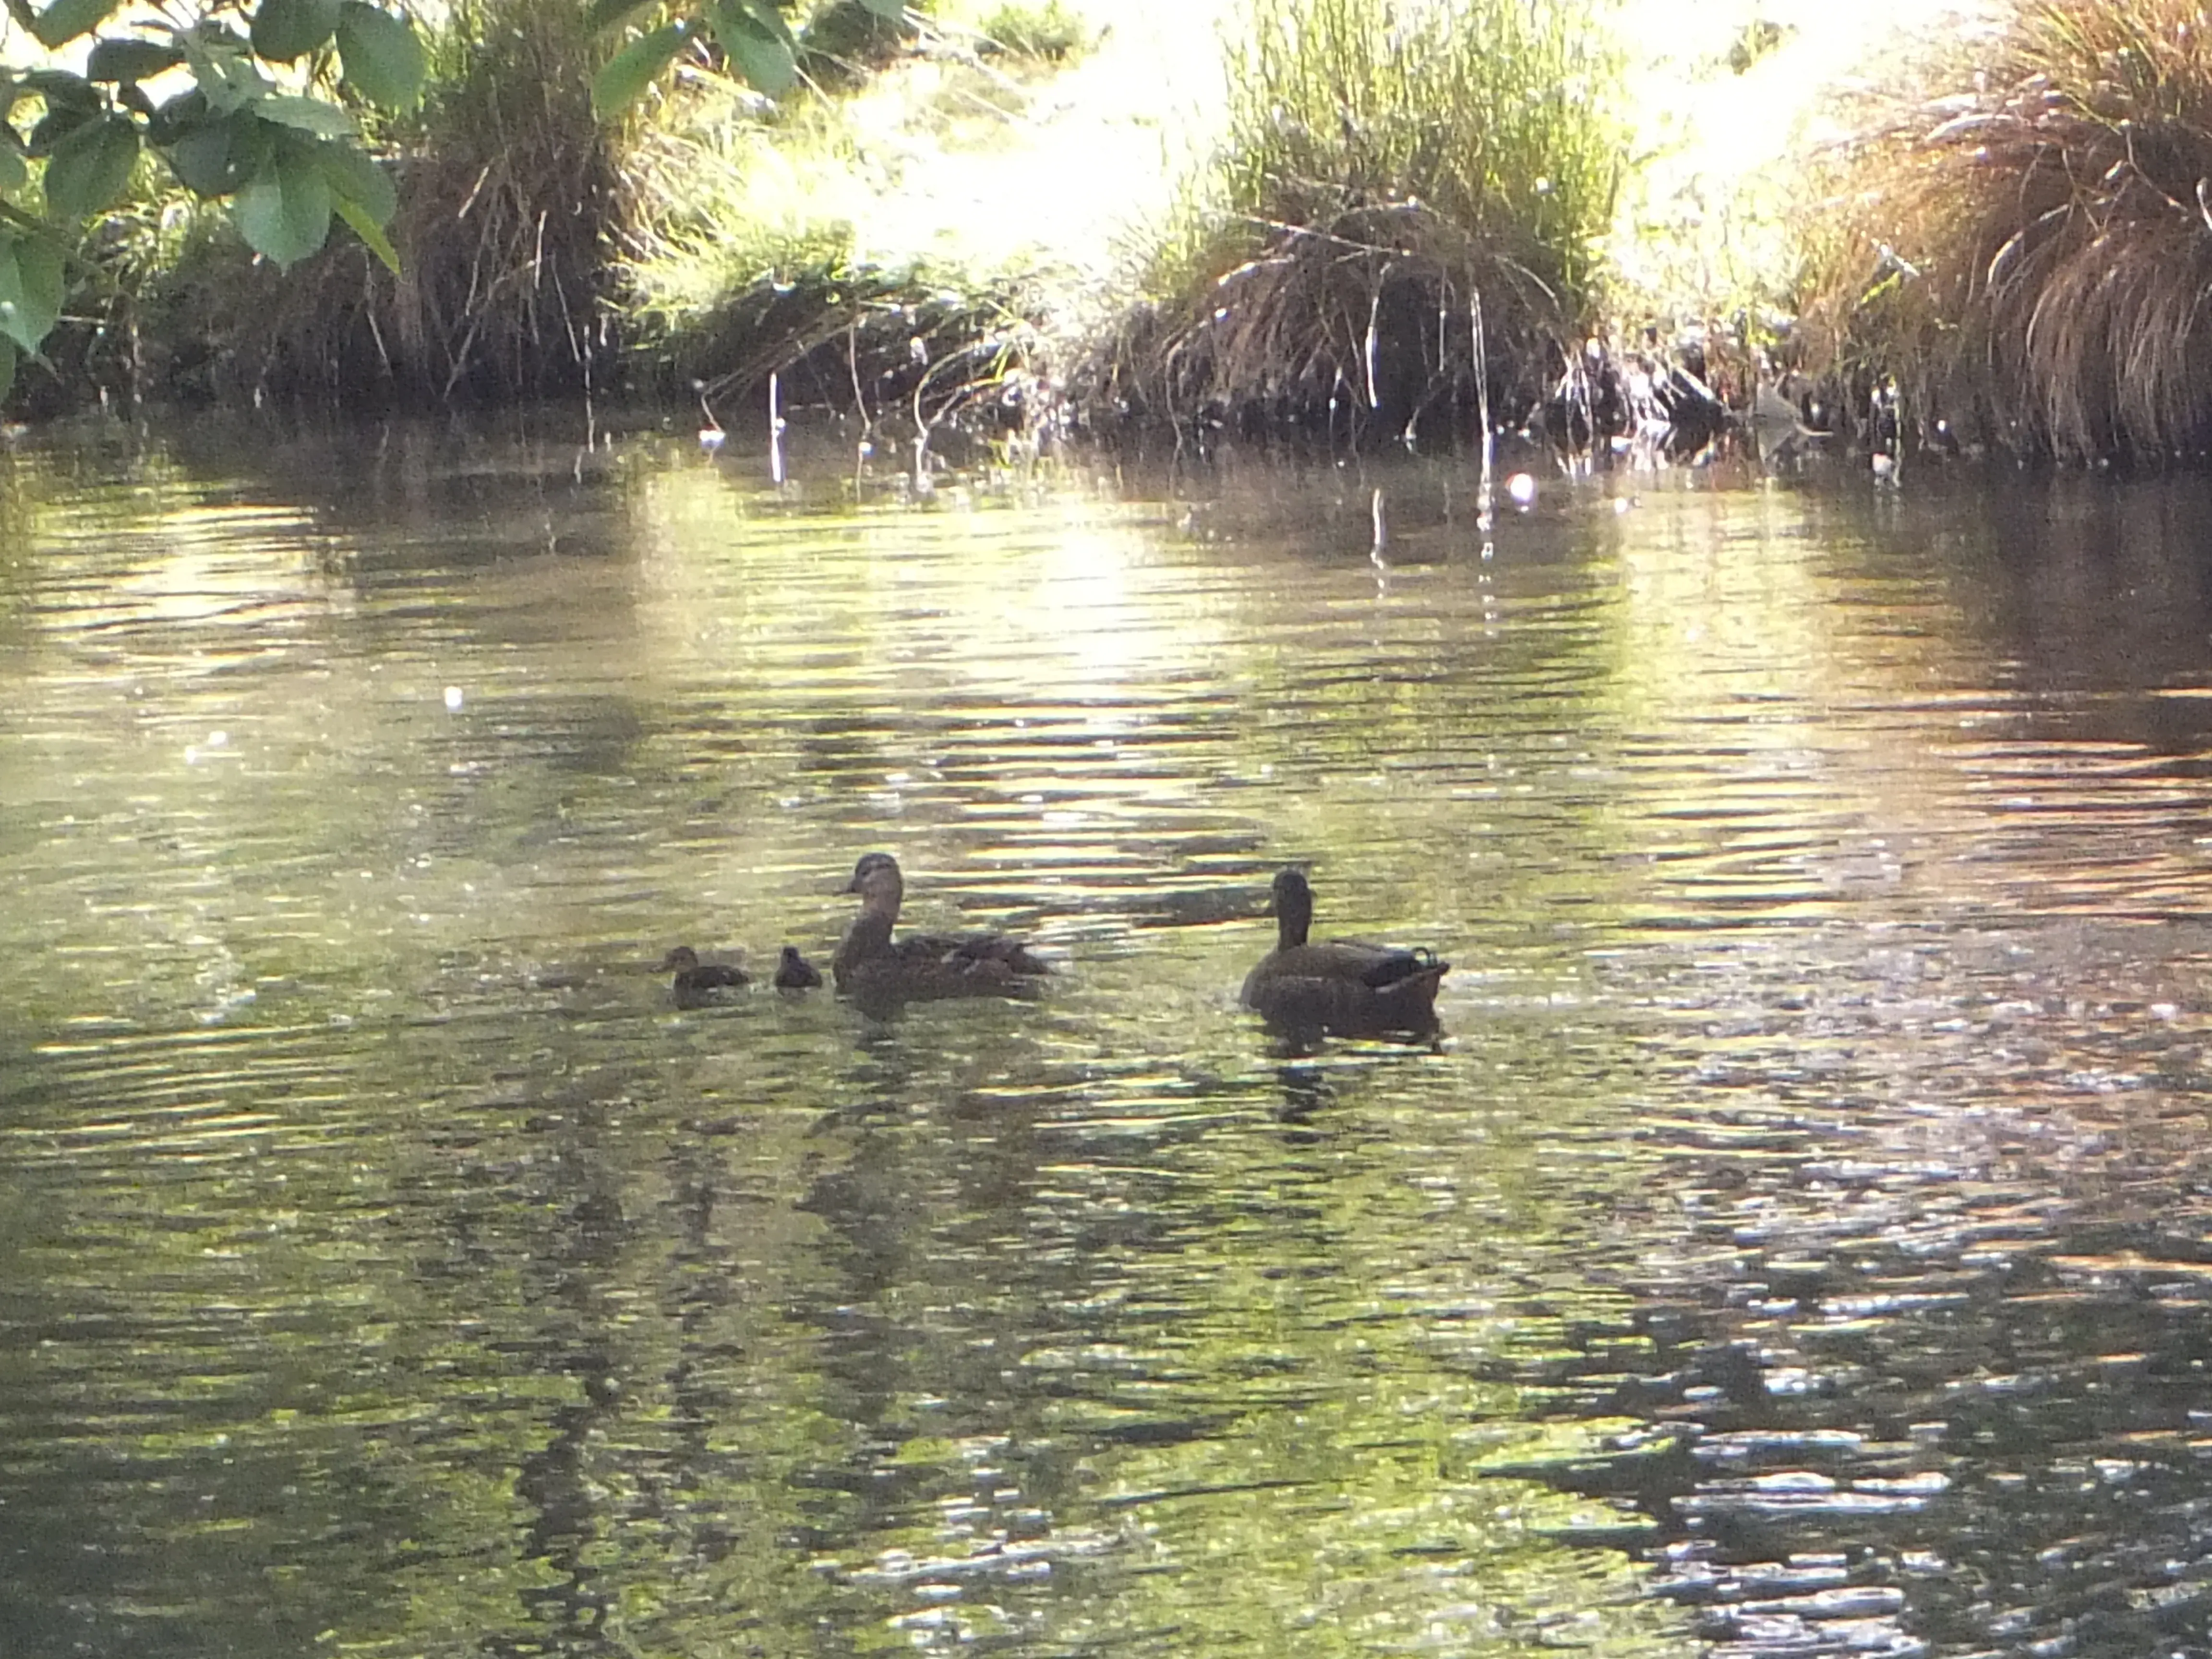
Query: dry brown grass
column 2030, row 258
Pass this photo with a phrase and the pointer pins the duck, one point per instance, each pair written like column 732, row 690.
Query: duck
column 871, row 965
column 795, row 972
column 698, row 982
column 1345, row 986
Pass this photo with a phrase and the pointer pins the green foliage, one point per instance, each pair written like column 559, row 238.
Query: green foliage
column 381, row 54
column 31, row 287
column 753, row 35
column 285, row 31
column 219, row 104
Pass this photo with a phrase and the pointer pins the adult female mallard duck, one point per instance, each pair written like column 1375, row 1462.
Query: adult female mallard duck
column 698, row 982
column 873, row 966
column 1343, row 986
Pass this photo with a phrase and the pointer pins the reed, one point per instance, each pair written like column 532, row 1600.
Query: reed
column 1383, row 166
column 2026, row 255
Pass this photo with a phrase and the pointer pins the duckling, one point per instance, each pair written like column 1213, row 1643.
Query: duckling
column 872, row 965
column 795, row 973
column 1346, row 986
column 698, row 982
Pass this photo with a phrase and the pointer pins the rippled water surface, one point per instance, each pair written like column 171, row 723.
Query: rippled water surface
column 1797, row 1244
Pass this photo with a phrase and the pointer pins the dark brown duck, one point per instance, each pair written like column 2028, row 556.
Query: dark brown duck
column 1346, row 988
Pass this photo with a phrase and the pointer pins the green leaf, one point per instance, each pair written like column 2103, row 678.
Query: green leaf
column 382, row 55
column 56, row 123
column 765, row 56
column 284, row 209
column 13, row 175
column 61, row 90
column 371, row 234
column 7, row 368
column 222, row 71
column 90, row 168
column 617, row 86
column 217, row 157
column 765, row 16
column 306, row 115
column 31, row 289
column 287, row 29
column 63, row 21
column 186, row 113
column 892, row 12
column 355, row 179
column 126, row 61
column 606, row 14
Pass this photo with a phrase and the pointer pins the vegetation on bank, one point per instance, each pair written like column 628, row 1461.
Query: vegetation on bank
column 1398, row 230
column 2024, row 255
column 1400, row 225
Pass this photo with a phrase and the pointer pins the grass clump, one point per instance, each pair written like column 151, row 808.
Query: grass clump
column 1050, row 32
column 2027, row 255
column 1384, row 168
column 509, row 192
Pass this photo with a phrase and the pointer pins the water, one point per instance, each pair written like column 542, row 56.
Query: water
column 1798, row 1243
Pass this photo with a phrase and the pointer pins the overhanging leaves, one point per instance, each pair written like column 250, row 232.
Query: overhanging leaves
column 284, row 210
column 307, row 115
column 90, row 167
column 615, row 87
column 761, row 45
column 287, row 29
column 63, row 21
column 126, row 62
column 382, row 57
column 30, row 289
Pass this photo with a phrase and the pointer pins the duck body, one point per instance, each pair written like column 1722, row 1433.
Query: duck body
column 1346, row 988
column 698, row 982
column 795, row 973
column 871, row 964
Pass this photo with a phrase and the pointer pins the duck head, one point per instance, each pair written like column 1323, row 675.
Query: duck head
column 682, row 959
column 876, row 878
column 1293, row 908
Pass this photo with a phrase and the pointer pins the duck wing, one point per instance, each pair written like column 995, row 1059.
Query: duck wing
column 1348, row 987
column 984, row 953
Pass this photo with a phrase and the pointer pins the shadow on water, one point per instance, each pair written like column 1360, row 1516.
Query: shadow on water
column 1795, row 1245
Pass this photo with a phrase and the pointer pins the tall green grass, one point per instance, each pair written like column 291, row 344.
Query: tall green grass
column 2028, row 254
column 1383, row 165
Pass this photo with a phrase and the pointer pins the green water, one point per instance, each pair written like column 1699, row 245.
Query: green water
column 1797, row 1244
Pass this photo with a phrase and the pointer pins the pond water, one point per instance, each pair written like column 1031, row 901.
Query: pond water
column 1798, row 1242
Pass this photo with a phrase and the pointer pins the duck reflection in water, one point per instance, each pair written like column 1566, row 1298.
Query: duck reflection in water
column 1339, row 987
column 878, row 971
column 698, row 983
